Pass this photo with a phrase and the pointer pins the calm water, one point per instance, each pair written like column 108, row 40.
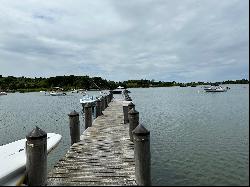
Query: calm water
column 197, row 138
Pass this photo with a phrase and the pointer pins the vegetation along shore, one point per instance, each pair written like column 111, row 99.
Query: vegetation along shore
column 25, row 84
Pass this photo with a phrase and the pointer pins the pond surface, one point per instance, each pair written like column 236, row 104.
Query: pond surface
column 197, row 138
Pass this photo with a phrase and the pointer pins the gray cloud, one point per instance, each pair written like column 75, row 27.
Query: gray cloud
column 187, row 40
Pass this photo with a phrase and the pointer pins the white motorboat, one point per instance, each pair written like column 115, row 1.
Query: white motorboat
column 118, row 90
column 3, row 93
column 103, row 93
column 53, row 93
column 215, row 89
column 13, row 159
column 87, row 99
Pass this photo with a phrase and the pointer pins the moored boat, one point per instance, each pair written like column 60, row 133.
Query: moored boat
column 53, row 93
column 74, row 91
column 215, row 89
column 88, row 99
column 13, row 159
column 118, row 90
column 3, row 93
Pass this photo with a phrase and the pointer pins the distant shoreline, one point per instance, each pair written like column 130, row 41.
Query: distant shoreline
column 68, row 83
column 26, row 90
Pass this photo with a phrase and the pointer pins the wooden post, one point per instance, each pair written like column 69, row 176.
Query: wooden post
column 126, row 98
column 93, row 108
column 129, row 98
column 106, row 101
column 130, row 106
column 100, row 99
column 82, row 107
column 103, row 103
column 111, row 95
column 88, row 115
column 125, row 93
column 109, row 99
column 74, row 125
column 36, row 158
column 125, row 113
column 98, row 108
column 133, row 117
column 142, row 155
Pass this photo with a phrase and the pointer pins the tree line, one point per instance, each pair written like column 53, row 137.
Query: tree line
column 11, row 83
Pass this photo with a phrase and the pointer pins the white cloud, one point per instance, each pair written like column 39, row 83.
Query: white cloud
column 166, row 40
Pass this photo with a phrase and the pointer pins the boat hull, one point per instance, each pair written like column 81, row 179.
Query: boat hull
column 57, row 94
column 117, row 91
column 13, row 159
column 215, row 90
column 3, row 93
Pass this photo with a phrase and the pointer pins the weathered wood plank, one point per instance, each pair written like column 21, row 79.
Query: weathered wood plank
column 104, row 156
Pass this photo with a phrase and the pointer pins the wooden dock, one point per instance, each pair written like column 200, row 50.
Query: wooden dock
column 104, row 155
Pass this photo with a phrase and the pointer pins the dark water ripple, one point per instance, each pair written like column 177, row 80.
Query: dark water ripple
column 197, row 138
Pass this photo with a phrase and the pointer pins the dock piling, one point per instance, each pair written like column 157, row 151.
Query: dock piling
column 88, row 115
column 106, row 101
column 141, row 138
column 130, row 106
column 36, row 158
column 111, row 95
column 133, row 117
column 98, row 108
column 125, row 113
column 110, row 98
column 103, row 103
column 74, row 125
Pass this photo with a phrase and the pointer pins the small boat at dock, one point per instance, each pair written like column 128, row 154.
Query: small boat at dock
column 120, row 90
column 88, row 99
column 3, row 93
column 57, row 91
column 13, row 159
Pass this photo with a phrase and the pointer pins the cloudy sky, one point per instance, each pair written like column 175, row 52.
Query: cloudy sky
column 169, row 40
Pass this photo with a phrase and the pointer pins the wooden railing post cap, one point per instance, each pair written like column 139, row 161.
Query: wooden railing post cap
column 73, row 114
column 88, row 105
column 133, row 112
column 140, row 130
column 36, row 133
column 131, row 104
